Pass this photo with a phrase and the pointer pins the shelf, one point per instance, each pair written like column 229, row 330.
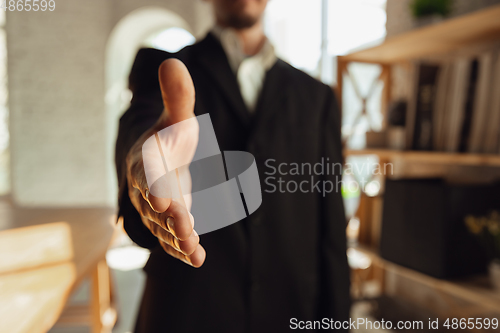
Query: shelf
column 451, row 35
column 427, row 157
column 474, row 289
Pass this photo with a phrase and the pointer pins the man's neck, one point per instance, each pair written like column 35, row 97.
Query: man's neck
column 252, row 39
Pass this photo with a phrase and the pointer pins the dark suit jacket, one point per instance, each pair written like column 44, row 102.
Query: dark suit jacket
column 288, row 259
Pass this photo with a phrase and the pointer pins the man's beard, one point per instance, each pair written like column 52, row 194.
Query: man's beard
column 241, row 21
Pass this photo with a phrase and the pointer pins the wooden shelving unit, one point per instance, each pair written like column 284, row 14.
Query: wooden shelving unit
column 466, row 168
column 447, row 37
column 468, row 34
column 474, row 292
column 430, row 157
column 463, row 35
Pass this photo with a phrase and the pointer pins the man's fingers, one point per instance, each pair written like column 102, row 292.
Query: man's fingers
column 176, row 219
column 159, row 205
column 177, row 90
column 186, row 247
column 146, row 210
column 136, row 167
column 180, row 223
column 196, row 259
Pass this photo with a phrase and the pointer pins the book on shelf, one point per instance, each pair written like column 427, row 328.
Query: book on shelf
column 492, row 133
column 440, row 105
column 481, row 110
column 455, row 105
column 469, row 110
column 425, row 93
column 411, row 110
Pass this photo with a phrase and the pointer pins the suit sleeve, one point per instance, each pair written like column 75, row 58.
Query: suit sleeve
column 335, row 302
column 145, row 108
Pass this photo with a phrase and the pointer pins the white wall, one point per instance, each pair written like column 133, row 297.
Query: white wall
column 58, row 122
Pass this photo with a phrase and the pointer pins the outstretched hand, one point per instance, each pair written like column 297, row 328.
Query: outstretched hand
column 168, row 218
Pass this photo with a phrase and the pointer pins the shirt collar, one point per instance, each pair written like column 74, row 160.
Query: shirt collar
column 234, row 51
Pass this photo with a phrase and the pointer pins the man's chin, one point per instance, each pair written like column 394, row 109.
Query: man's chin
column 242, row 22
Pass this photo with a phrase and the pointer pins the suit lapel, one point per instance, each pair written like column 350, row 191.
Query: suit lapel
column 213, row 59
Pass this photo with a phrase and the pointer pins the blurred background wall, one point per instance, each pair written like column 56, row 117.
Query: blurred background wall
column 67, row 78
column 61, row 128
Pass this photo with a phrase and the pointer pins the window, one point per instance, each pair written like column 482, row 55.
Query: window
column 171, row 40
column 310, row 41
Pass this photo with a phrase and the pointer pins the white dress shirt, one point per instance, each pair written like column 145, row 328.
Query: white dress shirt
column 249, row 70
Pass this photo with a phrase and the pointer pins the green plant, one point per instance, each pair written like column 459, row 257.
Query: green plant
column 422, row 8
column 487, row 231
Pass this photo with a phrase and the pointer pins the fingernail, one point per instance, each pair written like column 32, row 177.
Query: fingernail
column 191, row 217
column 170, row 223
column 195, row 233
column 187, row 262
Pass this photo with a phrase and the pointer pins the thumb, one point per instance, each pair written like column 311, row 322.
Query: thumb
column 177, row 90
column 178, row 145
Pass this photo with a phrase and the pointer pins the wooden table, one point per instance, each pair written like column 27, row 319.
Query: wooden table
column 44, row 255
